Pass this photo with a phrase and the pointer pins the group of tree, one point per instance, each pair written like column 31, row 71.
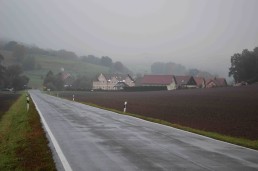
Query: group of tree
column 170, row 68
column 244, row 67
column 24, row 54
column 198, row 73
column 162, row 68
column 53, row 82
column 11, row 77
column 21, row 55
column 106, row 61
column 81, row 83
column 20, row 50
column 57, row 82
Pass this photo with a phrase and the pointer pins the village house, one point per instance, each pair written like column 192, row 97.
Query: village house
column 112, row 82
column 159, row 80
column 185, row 82
column 170, row 81
column 216, row 82
column 200, row 82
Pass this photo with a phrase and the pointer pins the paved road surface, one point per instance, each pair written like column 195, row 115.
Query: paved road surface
column 90, row 139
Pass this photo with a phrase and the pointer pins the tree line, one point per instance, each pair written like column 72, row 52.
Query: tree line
column 107, row 62
column 60, row 82
column 171, row 68
column 24, row 54
column 11, row 77
column 20, row 50
column 244, row 66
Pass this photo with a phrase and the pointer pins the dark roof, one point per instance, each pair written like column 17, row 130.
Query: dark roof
column 119, row 77
column 121, row 84
column 199, row 80
column 219, row 81
column 158, row 79
column 138, row 81
column 182, row 80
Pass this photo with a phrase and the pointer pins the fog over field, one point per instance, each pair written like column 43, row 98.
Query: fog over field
column 198, row 34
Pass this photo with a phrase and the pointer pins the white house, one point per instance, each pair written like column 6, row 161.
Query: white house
column 112, row 82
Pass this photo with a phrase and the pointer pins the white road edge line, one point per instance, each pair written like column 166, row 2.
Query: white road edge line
column 60, row 154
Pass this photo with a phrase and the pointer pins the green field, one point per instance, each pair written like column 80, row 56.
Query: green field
column 53, row 63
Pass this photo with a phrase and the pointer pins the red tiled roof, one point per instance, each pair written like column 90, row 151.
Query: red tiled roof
column 218, row 81
column 182, row 79
column 158, row 79
column 208, row 80
column 199, row 80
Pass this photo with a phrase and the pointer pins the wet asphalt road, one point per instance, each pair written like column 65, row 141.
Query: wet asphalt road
column 94, row 139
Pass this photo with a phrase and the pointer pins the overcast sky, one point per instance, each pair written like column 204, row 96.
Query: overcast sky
column 201, row 34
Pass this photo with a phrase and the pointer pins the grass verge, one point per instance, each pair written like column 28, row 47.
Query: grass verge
column 23, row 144
column 253, row 144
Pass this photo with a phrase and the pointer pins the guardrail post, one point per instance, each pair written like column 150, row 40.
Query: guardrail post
column 28, row 102
column 125, row 106
column 73, row 97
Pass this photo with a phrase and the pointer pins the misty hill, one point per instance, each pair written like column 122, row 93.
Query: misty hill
column 55, row 64
column 37, row 62
column 171, row 68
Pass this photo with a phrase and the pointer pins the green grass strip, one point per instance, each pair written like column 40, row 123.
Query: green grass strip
column 253, row 144
column 23, row 145
column 12, row 131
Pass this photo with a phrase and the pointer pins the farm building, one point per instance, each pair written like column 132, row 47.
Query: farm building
column 181, row 82
column 216, row 82
column 159, row 80
column 185, row 82
column 112, row 82
column 200, row 82
column 170, row 81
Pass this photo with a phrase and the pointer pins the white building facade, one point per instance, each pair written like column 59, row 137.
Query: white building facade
column 110, row 81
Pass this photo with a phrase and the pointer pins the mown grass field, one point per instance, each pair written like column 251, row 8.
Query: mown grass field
column 228, row 111
column 23, row 144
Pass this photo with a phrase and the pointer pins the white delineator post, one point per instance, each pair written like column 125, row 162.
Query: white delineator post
column 28, row 102
column 73, row 97
column 125, row 106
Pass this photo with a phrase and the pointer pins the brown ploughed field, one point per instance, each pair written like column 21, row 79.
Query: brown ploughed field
column 230, row 111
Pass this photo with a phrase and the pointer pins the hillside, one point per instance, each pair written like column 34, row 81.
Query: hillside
column 54, row 63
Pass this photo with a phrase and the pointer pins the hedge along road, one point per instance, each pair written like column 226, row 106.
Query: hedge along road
column 88, row 138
